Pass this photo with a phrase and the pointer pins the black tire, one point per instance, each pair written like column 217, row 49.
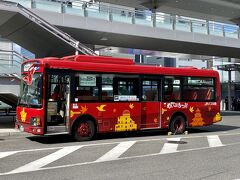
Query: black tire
column 177, row 125
column 84, row 130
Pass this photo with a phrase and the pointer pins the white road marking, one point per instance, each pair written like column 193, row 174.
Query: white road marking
column 214, row 141
column 122, row 158
column 170, row 147
column 114, row 142
column 35, row 165
column 5, row 154
column 116, row 151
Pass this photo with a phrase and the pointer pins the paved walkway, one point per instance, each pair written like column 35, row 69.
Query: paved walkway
column 7, row 127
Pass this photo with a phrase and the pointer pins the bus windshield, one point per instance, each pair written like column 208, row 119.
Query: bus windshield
column 31, row 95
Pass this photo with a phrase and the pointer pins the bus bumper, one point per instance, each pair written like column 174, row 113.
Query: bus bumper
column 29, row 129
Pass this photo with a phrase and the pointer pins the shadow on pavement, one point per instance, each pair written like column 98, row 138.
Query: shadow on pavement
column 56, row 139
column 213, row 128
column 53, row 139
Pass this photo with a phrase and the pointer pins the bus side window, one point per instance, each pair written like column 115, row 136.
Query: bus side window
column 172, row 88
column 198, row 89
column 86, row 88
column 190, row 94
column 205, row 94
column 127, row 88
column 107, row 87
column 149, row 90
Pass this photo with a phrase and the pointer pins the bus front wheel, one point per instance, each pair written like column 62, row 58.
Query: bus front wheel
column 84, row 130
column 177, row 125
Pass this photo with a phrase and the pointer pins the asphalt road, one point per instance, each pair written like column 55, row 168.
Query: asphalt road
column 205, row 153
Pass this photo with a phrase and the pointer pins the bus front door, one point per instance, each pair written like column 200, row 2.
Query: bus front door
column 58, row 102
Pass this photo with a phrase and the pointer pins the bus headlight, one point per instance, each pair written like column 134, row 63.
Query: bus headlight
column 35, row 121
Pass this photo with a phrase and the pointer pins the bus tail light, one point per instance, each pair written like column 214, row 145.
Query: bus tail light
column 35, row 121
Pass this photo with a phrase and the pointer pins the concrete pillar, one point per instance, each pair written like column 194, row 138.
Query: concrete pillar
column 173, row 22
column 191, row 26
column 63, row 8
column 207, row 26
column 33, row 4
column 139, row 58
column 229, row 88
column 209, row 64
column 154, row 17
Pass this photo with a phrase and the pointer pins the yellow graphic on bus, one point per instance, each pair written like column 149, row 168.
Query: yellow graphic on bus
column 23, row 115
column 217, row 118
column 72, row 113
column 191, row 109
column 197, row 120
column 131, row 106
column 125, row 123
column 164, row 110
column 101, row 107
column 81, row 111
column 155, row 120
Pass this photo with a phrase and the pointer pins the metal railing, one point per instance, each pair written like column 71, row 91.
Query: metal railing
column 50, row 28
column 10, row 62
column 132, row 16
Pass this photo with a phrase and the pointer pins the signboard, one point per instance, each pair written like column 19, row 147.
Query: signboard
column 87, row 80
column 125, row 98
column 28, row 65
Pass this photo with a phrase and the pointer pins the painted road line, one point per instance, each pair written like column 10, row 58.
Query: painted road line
column 214, row 141
column 35, row 165
column 118, row 159
column 113, row 142
column 5, row 154
column 170, row 147
column 116, row 152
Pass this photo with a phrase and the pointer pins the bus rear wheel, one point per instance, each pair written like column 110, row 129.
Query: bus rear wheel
column 177, row 125
column 84, row 130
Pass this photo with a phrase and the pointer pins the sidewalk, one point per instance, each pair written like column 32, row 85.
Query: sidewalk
column 230, row 113
column 7, row 126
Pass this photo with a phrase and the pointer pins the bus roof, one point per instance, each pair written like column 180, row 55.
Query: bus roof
column 117, row 65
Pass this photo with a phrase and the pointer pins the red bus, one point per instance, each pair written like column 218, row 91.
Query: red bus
column 85, row 95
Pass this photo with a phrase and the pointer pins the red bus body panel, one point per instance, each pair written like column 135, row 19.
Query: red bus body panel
column 24, row 116
column 111, row 117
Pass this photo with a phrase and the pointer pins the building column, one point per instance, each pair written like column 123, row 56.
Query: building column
column 229, row 88
column 139, row 58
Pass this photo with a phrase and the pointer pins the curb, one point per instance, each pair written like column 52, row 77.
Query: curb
column 11, row 132
column 230, row 113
